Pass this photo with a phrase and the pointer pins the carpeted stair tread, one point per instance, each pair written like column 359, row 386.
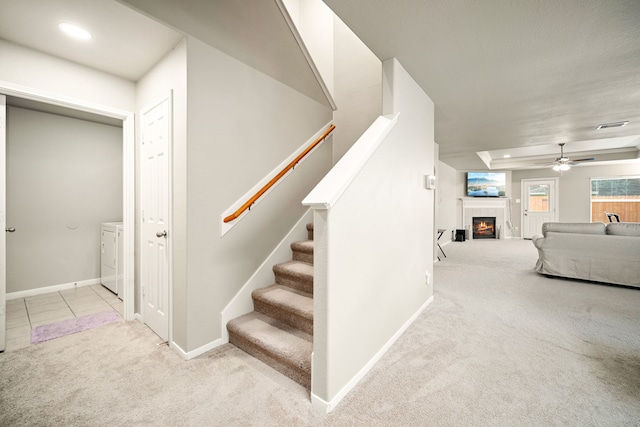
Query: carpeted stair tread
column 280, row 346
column 292, row 300
column 295, row 274
column 303, row 251
column 290, row 306
column 279, row 331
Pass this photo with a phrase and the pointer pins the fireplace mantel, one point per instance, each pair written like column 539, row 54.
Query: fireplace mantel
column 497, row 207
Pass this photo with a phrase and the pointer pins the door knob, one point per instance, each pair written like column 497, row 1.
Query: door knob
column 161, row 233
column 10, row 229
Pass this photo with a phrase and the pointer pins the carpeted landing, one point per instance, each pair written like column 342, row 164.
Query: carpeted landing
column 499, row 346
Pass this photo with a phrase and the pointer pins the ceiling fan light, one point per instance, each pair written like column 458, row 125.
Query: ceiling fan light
column 564, row 167
column 556, row 168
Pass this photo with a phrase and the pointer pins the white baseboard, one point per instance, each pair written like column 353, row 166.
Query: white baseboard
column 52, row 288
column 188, row 355
column 326, row 407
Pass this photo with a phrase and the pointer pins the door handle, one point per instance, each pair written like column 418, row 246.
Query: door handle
column 10, row 229
column 161, row 233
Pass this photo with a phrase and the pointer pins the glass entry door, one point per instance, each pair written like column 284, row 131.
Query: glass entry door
column 538, row 205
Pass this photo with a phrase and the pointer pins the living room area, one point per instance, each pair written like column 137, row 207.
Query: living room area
column 581, row 195
column 566, row 341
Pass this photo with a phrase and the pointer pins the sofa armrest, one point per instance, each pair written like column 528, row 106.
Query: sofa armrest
column 537, row 240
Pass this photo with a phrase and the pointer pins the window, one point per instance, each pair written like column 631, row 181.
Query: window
column 539, row 198
column 620, row 196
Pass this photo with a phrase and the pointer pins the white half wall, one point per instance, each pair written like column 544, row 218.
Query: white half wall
column 374, row 245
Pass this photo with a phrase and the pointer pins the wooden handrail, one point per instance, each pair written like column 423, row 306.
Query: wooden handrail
column 276, row 178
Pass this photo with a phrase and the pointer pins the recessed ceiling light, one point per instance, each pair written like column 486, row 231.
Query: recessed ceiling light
column 75, row 31
column 506, row 156
column 613, row 125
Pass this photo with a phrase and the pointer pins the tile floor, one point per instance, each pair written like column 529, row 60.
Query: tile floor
column 24, row 314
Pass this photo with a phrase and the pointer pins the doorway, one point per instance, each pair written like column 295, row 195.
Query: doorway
column 128, row 211
column 155, row 216
column 539, row 204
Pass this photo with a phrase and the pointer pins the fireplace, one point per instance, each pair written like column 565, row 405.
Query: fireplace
column 484, row 227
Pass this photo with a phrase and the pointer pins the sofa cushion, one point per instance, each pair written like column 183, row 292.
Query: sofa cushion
column 577, row 227
column 624, row 228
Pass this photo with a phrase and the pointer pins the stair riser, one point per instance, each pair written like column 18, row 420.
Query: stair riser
column 287, row 317
column 296, row 373
column 303, row 256
column 301, row 284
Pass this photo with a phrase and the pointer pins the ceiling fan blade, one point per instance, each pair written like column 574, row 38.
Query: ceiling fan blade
column 587, row 159
column 580, row 161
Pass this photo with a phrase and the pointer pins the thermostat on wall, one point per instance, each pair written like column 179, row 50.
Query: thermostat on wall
column 430, row 182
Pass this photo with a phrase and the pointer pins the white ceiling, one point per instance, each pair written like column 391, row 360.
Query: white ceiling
column 510, row 74
column 251, row 31
column 507, row 77
column 131, row 36
column 125, row 43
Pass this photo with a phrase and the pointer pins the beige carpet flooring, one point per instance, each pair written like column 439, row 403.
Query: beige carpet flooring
column 499, row 346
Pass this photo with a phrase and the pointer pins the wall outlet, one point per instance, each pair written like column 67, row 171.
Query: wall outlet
column 428, row 277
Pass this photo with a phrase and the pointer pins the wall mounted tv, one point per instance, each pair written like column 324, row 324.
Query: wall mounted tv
column 486, row 184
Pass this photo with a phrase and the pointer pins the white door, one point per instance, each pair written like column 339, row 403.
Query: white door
column 3, row 220
column 539, row 205
column 154, row 187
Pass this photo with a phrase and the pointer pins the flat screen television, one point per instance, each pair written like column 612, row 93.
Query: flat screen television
column 486, row 184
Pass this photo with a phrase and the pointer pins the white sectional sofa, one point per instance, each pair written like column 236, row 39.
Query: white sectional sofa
column 590, row 251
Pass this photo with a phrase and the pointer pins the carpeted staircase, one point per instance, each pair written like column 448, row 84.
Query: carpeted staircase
column 280, row 329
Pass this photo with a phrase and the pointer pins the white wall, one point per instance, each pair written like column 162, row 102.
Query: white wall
column 241, row 125
column 374, row 245
column 64, row 178
column 36, row 70
column 350, row 70
column 358, row 88
column 446, row 200
column 314, row 21
column 170, row 76
column 575, row 188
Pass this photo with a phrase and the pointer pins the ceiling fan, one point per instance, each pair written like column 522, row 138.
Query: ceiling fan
column 563, row 163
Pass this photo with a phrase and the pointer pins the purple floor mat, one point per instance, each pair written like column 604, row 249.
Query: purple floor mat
column 71, row 326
